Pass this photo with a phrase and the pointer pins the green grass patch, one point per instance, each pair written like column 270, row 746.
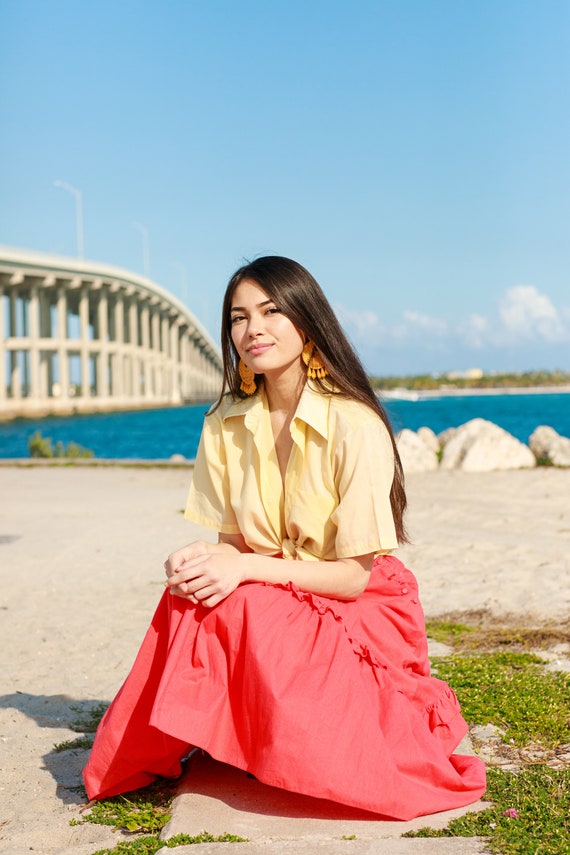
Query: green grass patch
column 82, row 742
column 500, row 680
column 511, row 691
column 446, row 631
column 530, row 814
column 151, row 845
column 87, row 720
column 143, row 811
column 484, row 635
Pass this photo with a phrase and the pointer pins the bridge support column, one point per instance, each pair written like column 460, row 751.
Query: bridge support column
column 102, row 389
column 84, row 347
column 118, row 368
column 184, row 364
column 158, row 383
column 3, row 336
column 62, row 354
column 133, row 341
column 146, row 355
column 15, row 371
column 175, row 396
column 46, row 353
column 33, row 349
column 166, row 384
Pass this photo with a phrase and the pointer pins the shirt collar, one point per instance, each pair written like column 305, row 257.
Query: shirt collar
column 250, row 408
column 313, row 409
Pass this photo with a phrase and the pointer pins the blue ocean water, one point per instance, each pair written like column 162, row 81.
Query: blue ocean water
column 517, row 414
column 158, row 434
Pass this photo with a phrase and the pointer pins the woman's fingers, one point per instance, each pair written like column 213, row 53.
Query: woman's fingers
column 190, row 571
column 206, row 596
column 177, row 560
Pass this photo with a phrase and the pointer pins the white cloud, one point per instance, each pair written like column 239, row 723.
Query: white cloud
column 525, row 314
column 417, row 322
column 367, row 325
column 357, row 324
column 475, row 331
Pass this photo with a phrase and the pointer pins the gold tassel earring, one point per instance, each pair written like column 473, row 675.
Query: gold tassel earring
column 247, row 375
column 313, row 361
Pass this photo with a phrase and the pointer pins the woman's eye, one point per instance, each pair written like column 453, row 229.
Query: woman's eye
column 273, row 310
column 237, row 318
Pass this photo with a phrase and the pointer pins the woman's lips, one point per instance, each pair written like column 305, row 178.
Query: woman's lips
column 256, row 349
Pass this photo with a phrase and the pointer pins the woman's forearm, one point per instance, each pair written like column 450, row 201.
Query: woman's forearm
column 343, row 579
column 208, row 572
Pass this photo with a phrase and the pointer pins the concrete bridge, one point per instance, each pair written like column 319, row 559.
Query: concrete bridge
column 79, row 336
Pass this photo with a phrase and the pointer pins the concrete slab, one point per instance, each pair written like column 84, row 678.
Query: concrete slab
column 220, row 799
column 417, row 846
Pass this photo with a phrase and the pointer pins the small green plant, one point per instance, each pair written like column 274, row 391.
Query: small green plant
column 489, row 638
column 41, row 447
column 82, row 742
column 145, row 811
column 87, row 721
column 446, row 631
column 151, row 845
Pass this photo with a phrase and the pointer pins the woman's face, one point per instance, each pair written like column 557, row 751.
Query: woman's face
column 267, row 341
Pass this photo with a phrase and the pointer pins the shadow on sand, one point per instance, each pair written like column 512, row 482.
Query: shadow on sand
column 62, row 712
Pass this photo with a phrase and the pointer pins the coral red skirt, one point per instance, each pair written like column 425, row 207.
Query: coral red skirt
column 328, row 698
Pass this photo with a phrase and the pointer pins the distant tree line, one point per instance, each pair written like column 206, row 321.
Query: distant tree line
column 522, row 380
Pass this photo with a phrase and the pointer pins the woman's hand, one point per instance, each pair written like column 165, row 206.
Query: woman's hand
column 203, row 572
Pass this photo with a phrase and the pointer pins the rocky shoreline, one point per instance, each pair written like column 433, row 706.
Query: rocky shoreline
column 480, row 446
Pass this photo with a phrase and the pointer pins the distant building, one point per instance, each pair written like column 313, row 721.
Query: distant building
column 470, row 374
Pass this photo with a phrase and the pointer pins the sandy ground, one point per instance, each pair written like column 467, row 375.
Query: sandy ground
column 81, row 552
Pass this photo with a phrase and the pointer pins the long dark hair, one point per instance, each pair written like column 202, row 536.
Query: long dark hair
column 301, row 299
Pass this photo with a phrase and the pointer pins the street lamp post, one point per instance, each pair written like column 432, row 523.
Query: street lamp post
column 78, row 212
column 146, row 254
column 183, row 281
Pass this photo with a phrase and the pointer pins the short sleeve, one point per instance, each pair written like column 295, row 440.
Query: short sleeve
column 364, row 471
column 208, row 501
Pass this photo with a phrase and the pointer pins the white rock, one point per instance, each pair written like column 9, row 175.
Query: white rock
column 177, row 458
column 429, row 438
column 486, row 731
column 444, row 437
column 481, row 446
column 414, row 453
column 546, row 443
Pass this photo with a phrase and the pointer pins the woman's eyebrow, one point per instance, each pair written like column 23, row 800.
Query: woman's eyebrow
column 258, row 306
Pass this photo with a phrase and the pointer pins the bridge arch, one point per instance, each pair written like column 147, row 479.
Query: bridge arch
column 81, row 336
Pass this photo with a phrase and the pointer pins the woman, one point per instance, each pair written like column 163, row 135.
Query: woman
column 294, row 647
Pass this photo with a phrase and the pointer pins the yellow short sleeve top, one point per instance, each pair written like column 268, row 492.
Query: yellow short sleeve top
column 335, row 502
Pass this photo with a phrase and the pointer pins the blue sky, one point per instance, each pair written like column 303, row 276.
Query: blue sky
column 413, row 154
